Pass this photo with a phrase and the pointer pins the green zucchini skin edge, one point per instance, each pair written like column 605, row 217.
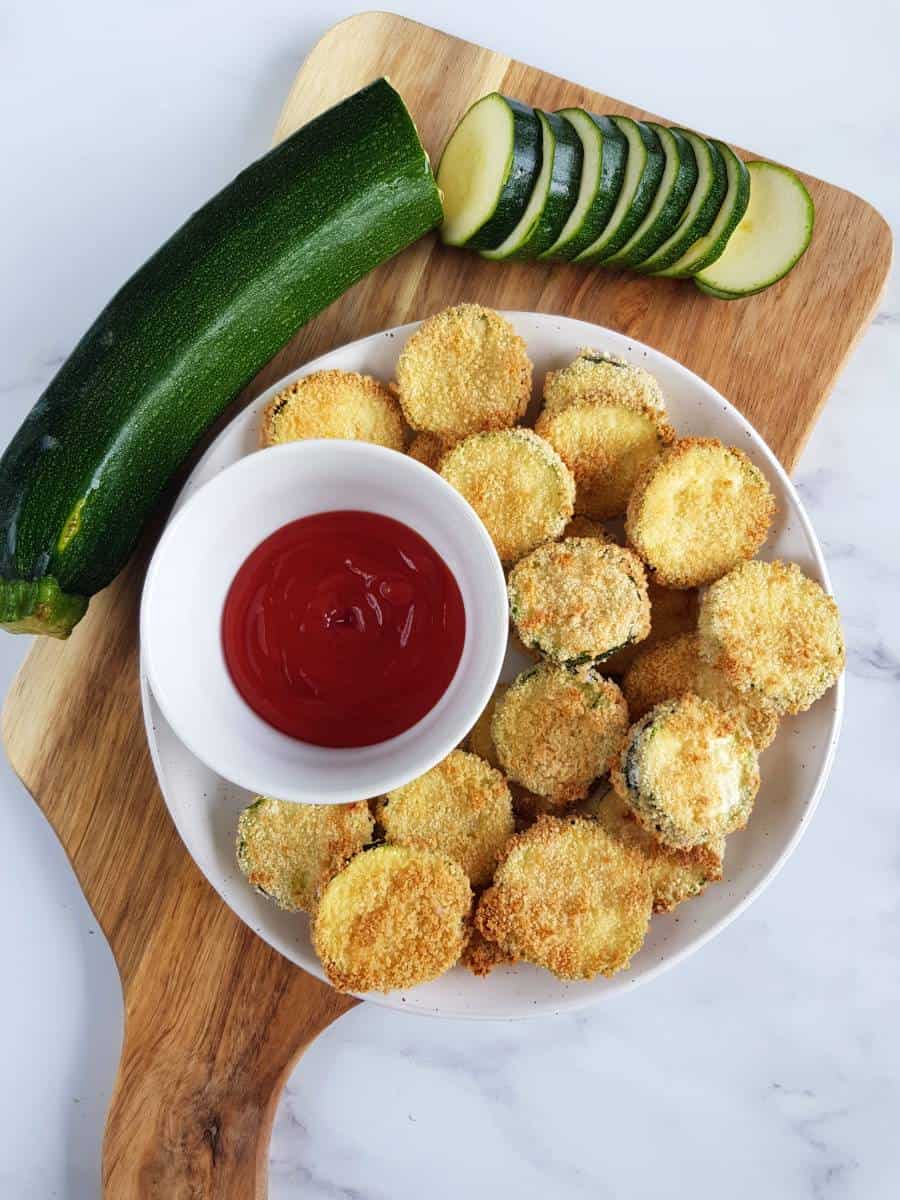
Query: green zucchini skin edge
column 643, row 195
column 667, row 220
column 613, row 155
column 186, row 333
column 524, row 168
column 562, row 193
column 702, row 222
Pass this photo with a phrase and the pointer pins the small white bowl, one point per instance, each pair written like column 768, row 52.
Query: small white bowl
column 197, row 558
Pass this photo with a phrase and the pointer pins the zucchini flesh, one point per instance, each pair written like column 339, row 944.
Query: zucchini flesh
column 604, row 153
column 186, row 333
column 643, row 172
column 710, row 247
column 773, row 234
column 488, row 171
column 702, row 208
column 674, row 191
column 554, row 193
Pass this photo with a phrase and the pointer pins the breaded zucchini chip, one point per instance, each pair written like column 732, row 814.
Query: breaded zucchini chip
column 697, row 511
column 429, row 449
column 606, row 446
column 480, row 741
column 555, row 732
column 674, row 667
column 286, row 850
column 462, row 807
column 602, row 376
column 394, row 917
column 480, row 956
column 585, row 527
column 675, row 875
column 568, row 897
column 672, row 611
column 464, row 370
column 579, row 600
column 518, row 485
column 334, row 404
column 772, row 631
column 688, row 771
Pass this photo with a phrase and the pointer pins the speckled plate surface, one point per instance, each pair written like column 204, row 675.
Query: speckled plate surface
column 794, row 769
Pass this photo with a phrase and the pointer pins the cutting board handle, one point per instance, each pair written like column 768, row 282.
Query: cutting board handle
column 194, row 1101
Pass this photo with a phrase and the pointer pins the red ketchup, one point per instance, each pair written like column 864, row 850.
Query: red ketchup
column 343, row 629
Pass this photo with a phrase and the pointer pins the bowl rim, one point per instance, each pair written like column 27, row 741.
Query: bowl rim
column 575, row 999
column 457, row 720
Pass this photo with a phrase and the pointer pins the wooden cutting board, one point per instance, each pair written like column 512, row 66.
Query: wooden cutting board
column 214, row 1018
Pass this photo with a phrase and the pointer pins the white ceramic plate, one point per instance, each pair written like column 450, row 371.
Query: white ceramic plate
column 794, row 769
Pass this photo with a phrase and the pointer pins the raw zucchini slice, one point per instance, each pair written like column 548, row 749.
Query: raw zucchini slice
column 554, row 193
column 604, row 154
column 674, row 191
column 643, row 173
column 771, row 237
column 488, row 171
column 707, row 249
column 702, row 208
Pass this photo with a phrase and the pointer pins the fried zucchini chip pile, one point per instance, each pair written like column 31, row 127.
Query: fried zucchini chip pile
column 461, row 807
column 575, row 807
column 286, row 850
column 569, row 897
column 334, row 404
column 394, row 917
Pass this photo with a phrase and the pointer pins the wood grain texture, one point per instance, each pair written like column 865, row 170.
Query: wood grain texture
column 214, row 1018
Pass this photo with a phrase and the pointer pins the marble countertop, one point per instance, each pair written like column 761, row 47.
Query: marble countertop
column 767, row 1065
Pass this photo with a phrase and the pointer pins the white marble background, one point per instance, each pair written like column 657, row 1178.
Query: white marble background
column 767, row 1066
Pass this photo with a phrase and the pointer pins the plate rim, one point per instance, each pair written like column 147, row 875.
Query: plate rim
column 395, row 1001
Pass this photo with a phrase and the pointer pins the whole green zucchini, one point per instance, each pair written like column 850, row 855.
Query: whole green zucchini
column 186, row 333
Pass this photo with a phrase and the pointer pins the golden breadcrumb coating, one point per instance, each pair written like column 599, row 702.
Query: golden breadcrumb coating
column 464, row 370
column 480, row 956
column 604, row 377
column 429, row 449
column 585, row 527
column 606, row 446
column 579, row 600
column 518, row 485
column 394, row 917
column 672, row 611
column 773, row 631
column 286, row 850
column 462, row 807
column 479, row 740
column 555, row 731
column 697, row 511
column 689, row 772
column 674, row 667
column 528, row 806
column 334, row 404
column 568, row 897
column 675, row 875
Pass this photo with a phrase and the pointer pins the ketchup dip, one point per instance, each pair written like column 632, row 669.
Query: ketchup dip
column 343, row 629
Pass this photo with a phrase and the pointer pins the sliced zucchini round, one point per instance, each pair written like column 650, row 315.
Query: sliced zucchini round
column 604, row 154
column 554, row 193
column 674, row 191
column 773, row 234
column 643, row 172
column 707, row 249
column 702, row 208
column 488, row 170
